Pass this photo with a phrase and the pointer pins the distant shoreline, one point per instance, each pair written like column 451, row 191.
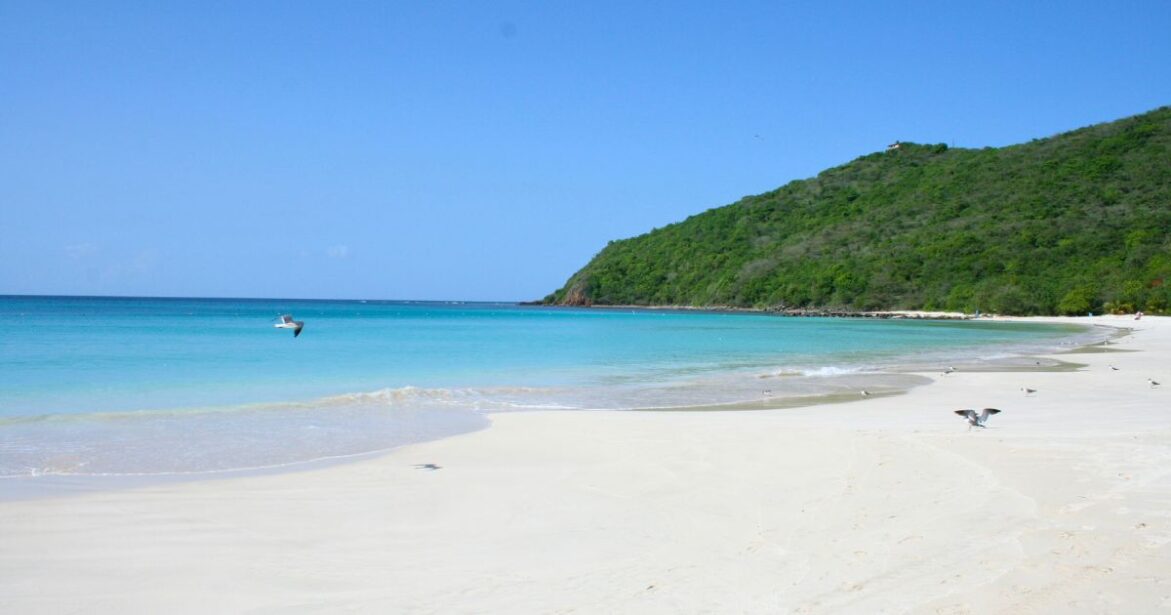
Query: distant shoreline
column 798, row 313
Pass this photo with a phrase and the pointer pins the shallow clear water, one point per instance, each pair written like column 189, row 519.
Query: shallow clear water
column 138, row 385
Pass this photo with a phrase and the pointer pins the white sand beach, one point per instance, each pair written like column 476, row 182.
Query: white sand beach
column 888, row 504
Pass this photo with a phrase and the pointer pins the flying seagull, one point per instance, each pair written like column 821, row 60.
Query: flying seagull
column 976, row 420
column 1153, row 383
column 1113, row 368
column 866, row 393
column 287, row 322
column 1028, row 391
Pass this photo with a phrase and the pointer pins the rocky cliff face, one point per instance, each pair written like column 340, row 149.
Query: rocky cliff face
column 577, row 296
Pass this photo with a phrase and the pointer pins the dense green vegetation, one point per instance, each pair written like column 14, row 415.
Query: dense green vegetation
column 1070, row 224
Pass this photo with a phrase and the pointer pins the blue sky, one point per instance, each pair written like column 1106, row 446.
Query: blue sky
column 486, row 150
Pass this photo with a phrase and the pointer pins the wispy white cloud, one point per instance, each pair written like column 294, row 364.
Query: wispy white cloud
column 338, row 251
column 144, row 261
column 78, row 251
column 130, row 268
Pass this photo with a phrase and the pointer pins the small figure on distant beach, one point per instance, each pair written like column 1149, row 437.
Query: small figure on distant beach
column 287, row 322
column 865, row 393
column 1138, row 315
column 977, row 420
column 1027, row 391
column 427, row 466
column 1153, row 383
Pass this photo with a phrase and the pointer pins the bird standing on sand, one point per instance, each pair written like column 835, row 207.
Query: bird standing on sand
column 865, row 393
column 976, row 420
column 287, row 322
column 1153, row 383
column 1113, row 368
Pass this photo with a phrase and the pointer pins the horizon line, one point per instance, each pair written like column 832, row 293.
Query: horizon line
column 227, row 298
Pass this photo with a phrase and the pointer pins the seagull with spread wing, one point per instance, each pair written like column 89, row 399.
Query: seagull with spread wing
column 287, row 322
column 976, row 420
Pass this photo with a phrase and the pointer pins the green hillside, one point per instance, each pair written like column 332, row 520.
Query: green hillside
column 1074, row 223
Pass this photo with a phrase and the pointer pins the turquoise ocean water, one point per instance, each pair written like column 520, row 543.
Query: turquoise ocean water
column 140, row 386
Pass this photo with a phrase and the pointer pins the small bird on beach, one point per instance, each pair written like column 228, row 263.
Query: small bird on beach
column 287, row 322
column 1153, row 383
column 1113, row 368
column 427, row 466
column 865, row 393
column 948, row 370
column 976, row 420
column 1028, row 391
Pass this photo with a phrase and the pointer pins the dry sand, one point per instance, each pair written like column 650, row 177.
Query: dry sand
column 885, row 505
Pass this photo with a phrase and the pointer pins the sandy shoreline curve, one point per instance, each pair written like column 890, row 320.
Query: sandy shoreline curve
column 883, row 505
